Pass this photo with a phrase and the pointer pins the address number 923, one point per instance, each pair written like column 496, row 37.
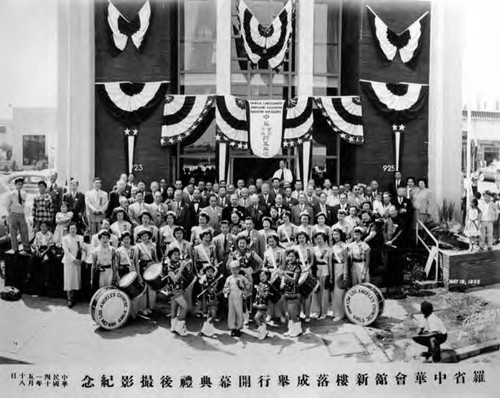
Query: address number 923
column 388, row 168
column 137, row 167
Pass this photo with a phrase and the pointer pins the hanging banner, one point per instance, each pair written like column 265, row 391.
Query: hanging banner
column 265, row 127
column 298, row 121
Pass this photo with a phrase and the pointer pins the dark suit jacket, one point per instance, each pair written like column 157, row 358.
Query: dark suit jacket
column 223, row 202
column 193, row 213
column 76, row 205
column 56, row 194
column 393, row 189
column 335, row 209
column 290, row 202
column 329, row 213
column 180, row 211
column 226, row 212
column 114, row 201
column 296, row 214
column 221, row 253
column 408, row 206
column 269, row 202
column 256, row 214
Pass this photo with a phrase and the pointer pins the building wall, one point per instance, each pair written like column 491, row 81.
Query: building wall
column 156, row 61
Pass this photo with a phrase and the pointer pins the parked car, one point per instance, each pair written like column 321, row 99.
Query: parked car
column 488, row 173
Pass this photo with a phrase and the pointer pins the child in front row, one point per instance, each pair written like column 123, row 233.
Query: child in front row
column 210, row 299
column 233, row 290
column 261, row 303
column 431, row 333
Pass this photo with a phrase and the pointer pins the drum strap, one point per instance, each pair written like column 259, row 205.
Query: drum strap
column 146, row 251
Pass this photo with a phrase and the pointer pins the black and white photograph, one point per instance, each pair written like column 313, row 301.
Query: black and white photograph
column 273, row 198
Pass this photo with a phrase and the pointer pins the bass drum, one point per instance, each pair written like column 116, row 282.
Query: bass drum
column 110, row 308
column 363, row 304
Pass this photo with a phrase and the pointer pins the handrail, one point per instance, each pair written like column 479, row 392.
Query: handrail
column 436, row 242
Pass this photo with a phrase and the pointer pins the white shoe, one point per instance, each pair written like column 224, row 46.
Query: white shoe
column 296, row 329
column 173, row 321
column 268, row 318
column 206, row 330
column 246, row 319
column 262, row 332
column 180, row 328
column 287, row 333
column 212, row 329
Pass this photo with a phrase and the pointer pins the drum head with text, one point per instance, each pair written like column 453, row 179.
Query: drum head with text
column 110, row 308
column 363, row 304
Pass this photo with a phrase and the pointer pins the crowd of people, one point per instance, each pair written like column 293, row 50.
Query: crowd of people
column 277, row 249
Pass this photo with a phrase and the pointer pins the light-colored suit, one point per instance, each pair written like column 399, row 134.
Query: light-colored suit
column 96, row 201
column 296, row 210
column 221, row 252
column 135, row 210
column 215, row 215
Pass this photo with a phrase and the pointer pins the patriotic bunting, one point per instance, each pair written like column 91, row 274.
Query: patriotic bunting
column 266, row 43
column 298, row 122
column 122, row 29
column 344, row 116
column 184, row 115
column 401, row 102
column 231, row 119
column 408, row 43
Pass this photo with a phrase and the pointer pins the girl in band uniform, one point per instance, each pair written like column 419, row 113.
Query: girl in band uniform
column 274, row 260
column 167, row 232
column 178, row 303
column 339, row 274
column 210, row 298
column 304, row 225
column 146, row 255
column 287, row 231
column 261, row 303
column 321, row 225
column 290, row 278
column 305, row 256
column 234, row 287
column 126, row 264
column 359, row 253
column 323, row 261
column 105, row 260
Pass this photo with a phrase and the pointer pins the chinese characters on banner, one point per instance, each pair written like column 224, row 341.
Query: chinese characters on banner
column 266, row 127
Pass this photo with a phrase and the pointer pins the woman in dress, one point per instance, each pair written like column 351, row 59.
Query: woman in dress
column 274, row 260
column 63, row 219
column 353, row 216
column 120, row 223
column 321, row 225
column 167, row 232
column 126, row 264
column 473, row 225
column 425, row 205
column 345, row 226
column 235, row 226
column 339, row 275
column 287, row 231
column 304, row 225
column 145, row 255
column 202, row 226
column 146, row 223
column 73, row 251
column 290, row 278
column 266, row 229
column 323, row 261
column 305, row 252
column 359, row 254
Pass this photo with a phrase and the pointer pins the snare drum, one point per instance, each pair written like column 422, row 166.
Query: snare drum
column 155, row 277
column 110, row 307
column 131, row 285
column 307, row 284
column 363, row 304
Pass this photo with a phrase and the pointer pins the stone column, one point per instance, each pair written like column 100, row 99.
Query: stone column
column 445, row 102
column 76, row 58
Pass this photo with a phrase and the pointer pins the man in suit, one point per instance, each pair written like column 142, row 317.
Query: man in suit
column 275, row 189
column 76, row 204
column 56, row 192
column 214, row 212
column 256, row 241
column 244, row 197
column 96, row 201
column 299, row 208
column 226, row 212
column 311, row 198
column 163, row 189
column 223, row 244
column 322, row 207
column 136, row 208
column 194, row 209
column 223, row 199
column 256, row 210
column 404, row 208
column 299, row 188
column 266, row 198
column 343, row 205
column 279, row 205
column 114, row 197
column 158, row 209
column 288, row 199
column 179, row 207
column 398, row 181
column 283, row 174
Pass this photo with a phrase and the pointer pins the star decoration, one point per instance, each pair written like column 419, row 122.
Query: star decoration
column 240, row 145
column 171, row 140
column 217, row 137
column 127, row 131
column 245, row 146
column 232, row 143
column 299, row 141
column 285, row 144
column 402, row 127
column 335, row 129
column 343, row 135
column 394, row 127
column 179, row 137
column 135, row 131
column 351, row 139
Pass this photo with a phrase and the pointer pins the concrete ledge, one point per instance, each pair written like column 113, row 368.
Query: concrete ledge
column 477, row 349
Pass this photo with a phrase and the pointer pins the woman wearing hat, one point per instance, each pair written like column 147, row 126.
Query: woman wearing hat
column 120, row 223
column 202, row 226
column 178, row 304
column 72, row 245
column 345, row 226
column 182, row 244
column 339, row 274
column 126, row 264
column 306, row 258
column 146, row 223
column 145, row 255
column 234, row 288
column 320, row 225
column 359, row 254
column 167, row 231
column 287, row 231
column 274, row 260
column 95, row 241
column 323, row 261
column 305, row 225
column 105, row 260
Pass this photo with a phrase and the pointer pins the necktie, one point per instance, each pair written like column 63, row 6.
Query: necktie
column 51, row 188
column 19, row 197
column 282, row 175
column 100, row 198
column 301, row 208
column 225, row 243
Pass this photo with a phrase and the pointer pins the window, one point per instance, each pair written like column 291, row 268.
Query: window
column 34, row 150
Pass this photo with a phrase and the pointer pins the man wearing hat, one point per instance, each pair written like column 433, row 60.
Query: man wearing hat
column 105, row 260
column 17, row 219
column 96, row 201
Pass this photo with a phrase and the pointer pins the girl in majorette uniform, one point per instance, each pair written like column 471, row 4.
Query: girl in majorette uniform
column 234, row 287
column 287, row 231
column 321, row 225
column 210, row 288
column 359, row 253
column 250, row 264
column 323, row 261
column 203, row 255
column 304, row 225
column 178, row 303
column 290, row 279
column 126, row 264
column 274, row 260
column 305, row 256
column 145, row 255
column 167, row 232
column 260, row 304
column 339, row 276
column 197, row 230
